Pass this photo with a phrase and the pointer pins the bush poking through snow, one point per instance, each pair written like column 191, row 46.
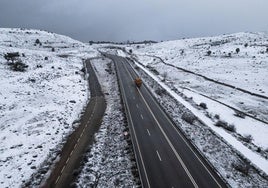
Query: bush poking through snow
column 237, row 50
column 242, row 167
column 160, row 91
column 225, row 125
column 247, row 138
column 12, row 56
column 217, row 116
column 230, row 127
column 221, row 123
column 188, row 117
column 136, row 67
column 239, row 114
column 37, row 41
column 164, row 76
column 18, row 65
column 208, row 53
column 203, row 105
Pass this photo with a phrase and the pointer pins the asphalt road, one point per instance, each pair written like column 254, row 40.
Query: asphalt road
column 165, row 157
column 79, row 140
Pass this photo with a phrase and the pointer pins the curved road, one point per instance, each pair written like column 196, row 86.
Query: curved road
column 165, row 157
column 71, row 155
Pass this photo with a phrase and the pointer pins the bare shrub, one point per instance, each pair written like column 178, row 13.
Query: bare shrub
column 188, row 117
column 239, row 114
column 217, row 116
column 160, row 91
column 37, row 41
column 203, row 105
column 242, row 167
column 18, row 65
column 247, row 138
column 221, row 123
column 230, row 127
column 225, row 125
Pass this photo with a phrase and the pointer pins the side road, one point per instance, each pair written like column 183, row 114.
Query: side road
column 71, row 155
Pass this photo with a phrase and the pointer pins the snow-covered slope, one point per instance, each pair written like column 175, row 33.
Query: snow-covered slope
column 39, row 105
column 246, row 69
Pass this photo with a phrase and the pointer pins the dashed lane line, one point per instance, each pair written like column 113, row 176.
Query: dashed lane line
column 158, row 155
column 148, row 132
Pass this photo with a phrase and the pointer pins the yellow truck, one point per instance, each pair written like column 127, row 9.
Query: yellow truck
column 138, row 82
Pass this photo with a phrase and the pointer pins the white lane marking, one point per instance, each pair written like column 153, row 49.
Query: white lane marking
column 133, row 97
column 137, row 105
column 148, row 132
column 141, row 116
column 62, row 169
column 167, row 139
column 135, row 136
column 67, row 160
column 170, row 144
column 57, row 179
column 180, row 134
column 158, row 155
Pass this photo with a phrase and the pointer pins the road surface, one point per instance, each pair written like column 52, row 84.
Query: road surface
column 165, row 157
column 71, row 155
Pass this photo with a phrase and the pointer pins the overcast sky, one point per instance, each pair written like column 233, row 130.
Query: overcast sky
column 122, row 20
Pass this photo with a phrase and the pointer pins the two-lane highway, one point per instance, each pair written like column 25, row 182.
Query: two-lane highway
column 165, row 158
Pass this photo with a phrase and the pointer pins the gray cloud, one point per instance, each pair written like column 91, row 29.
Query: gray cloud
column 121, row 20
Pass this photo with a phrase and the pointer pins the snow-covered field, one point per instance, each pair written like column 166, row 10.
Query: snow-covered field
column 38, row 105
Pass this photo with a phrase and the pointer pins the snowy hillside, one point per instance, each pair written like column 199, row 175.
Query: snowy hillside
column 43, row 91
column 216, row 58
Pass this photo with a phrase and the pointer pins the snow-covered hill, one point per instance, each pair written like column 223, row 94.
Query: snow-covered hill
column 40, row 102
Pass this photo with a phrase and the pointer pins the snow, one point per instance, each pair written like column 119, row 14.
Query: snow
column 246, row 70
column 38, row 107
column 244, row 126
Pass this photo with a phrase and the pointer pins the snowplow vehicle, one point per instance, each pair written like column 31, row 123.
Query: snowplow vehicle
column 138, row 82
